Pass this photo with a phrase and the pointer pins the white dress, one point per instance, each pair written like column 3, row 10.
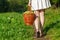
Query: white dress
column 40, row 4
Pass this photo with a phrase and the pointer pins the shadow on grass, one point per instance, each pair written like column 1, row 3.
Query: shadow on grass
column 51, row 26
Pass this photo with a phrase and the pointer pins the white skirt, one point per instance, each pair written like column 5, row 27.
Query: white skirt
column 40, row 4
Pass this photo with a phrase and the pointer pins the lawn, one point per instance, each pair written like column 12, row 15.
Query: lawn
column 12, row 26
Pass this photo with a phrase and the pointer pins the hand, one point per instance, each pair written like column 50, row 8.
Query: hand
column 29, row 4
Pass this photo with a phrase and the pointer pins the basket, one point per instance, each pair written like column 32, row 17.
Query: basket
column 29, row 17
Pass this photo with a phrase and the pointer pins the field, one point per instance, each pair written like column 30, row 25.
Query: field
column 12, row 26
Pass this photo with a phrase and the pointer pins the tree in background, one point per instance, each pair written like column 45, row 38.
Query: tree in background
column 3, row 5
column 13, row 5
column 20, row 5
column 55, row 3
column 17, row 5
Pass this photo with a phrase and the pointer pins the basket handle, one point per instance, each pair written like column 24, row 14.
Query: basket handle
column 29, row 8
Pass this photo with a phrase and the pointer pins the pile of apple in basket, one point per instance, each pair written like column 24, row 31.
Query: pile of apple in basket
column 29, row 16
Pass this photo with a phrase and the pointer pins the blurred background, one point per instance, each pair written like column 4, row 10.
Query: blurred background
column 20, row 5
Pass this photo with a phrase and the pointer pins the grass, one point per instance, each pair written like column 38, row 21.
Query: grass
column 52, row 24
column 12, row 26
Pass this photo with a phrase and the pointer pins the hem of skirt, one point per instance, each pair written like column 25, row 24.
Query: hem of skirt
column 40, row 9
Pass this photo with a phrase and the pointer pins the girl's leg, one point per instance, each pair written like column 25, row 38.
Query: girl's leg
column 36, row 22
column 41, row 22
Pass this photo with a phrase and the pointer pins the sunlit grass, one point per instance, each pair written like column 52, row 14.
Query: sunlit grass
column 12, row 26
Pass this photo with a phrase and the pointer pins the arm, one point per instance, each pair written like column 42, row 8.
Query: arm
column 29, row 3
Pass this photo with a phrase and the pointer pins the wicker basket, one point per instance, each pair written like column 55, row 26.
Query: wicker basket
column 29, row 17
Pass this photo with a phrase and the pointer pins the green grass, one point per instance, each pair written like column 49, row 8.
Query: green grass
column 12, row 26
column 52, row 24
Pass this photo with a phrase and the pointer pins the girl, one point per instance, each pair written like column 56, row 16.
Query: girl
column 39, row 6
